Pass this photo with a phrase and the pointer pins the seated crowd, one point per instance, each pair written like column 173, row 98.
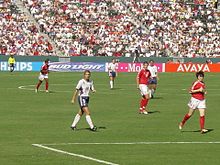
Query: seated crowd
column 18, row 35
column 112, row 28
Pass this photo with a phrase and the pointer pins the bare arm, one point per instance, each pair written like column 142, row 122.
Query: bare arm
column 198, row 90
column 74, row 96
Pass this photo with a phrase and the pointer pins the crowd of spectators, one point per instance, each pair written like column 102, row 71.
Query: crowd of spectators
column 118, row 28
column 18, row 35
column 179, row 29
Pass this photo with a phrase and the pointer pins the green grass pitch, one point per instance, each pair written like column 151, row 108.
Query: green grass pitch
column 44, row 118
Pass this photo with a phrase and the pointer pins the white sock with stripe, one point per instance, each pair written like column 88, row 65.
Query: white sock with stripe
column 111, row 84
column 76, row 120
column 89, row 121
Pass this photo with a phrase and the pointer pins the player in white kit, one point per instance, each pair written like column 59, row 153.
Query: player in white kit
column 112, row 72
column 153, row 81
column 83, row 88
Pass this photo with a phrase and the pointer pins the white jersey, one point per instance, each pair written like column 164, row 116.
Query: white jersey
column 153, row 70
column 84, row 87
column 112, row 67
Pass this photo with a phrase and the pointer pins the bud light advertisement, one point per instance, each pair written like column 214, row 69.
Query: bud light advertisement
column 76, row 66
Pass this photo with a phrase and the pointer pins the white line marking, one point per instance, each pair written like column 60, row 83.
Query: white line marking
column 31, row 88
column 72, row 154
column 132, row 143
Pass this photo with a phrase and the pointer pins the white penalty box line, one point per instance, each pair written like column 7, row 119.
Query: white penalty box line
column 45, row 146
column 73, row 154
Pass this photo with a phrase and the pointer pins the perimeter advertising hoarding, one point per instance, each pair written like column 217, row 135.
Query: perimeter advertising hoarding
column 77, row 66
column 22, row 66
column 192, row 67
column 133, row 67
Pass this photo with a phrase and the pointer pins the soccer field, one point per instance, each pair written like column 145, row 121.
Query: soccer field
column 35, row 127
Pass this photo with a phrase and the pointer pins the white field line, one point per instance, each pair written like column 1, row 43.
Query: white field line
column 31, row 88
column 133, row 143
column 73, row 154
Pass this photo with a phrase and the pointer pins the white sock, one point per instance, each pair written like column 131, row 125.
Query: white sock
column 152, row 91
column 89, row 121
column 76, row 120
column 111, row 84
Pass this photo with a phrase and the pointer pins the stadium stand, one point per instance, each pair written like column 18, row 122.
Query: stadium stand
column 116, row 28
column 18, row 35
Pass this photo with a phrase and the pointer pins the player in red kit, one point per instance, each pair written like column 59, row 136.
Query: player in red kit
column 142, row 84
column 43, row 76
column 197, row 101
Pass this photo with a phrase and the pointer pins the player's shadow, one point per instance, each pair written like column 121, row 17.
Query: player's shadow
column 151, row 112
column 116, row 89
column 157, row 98
column 88, row 129
column 209, row 130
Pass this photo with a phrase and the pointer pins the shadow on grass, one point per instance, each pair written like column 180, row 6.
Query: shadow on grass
column 151, row 112
column 116, row 89
column 209, row 130
column 88, row 129
column 156, row 98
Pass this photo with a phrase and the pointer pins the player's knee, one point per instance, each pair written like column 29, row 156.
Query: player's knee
column 146, row 96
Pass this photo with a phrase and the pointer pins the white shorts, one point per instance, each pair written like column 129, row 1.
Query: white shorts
column 42, row 76
column 197, row 104
column 144, row 89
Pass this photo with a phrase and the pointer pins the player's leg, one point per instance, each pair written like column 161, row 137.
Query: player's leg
column 41, row 79
column 11, row 67
column 202, row 120
column 153, row 90
column 111, row 82
column 77, row 119
column 46, row 84
column 88, row 119
column 150, row 87
column 144, row 100
column 186, row 117
column 145, row 103
column 38, row 85
column 153, row 86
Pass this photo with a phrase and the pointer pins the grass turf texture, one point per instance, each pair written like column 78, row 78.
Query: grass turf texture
column 28, row 117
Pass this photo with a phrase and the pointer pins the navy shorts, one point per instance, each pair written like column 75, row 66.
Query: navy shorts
column 153, row 80
column 83, row 101
column 112, row 74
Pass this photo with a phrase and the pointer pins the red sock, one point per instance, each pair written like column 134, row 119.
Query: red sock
column 141, row 104
column 47, row 85
column 38, row 85
column 145, row 102
column 186, row 117
column 202, row 122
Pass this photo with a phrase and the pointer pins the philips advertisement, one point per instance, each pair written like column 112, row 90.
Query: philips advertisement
column 76, row 66
column 22, row 66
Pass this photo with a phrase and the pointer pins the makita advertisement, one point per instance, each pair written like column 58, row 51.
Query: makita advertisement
column 77, row 66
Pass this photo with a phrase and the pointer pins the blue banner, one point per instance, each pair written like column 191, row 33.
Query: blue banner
column 22, row 66
column 76, row 66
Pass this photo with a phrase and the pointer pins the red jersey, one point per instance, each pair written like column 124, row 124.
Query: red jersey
column 144, row 76
column 45, row 69
column 197, row 85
